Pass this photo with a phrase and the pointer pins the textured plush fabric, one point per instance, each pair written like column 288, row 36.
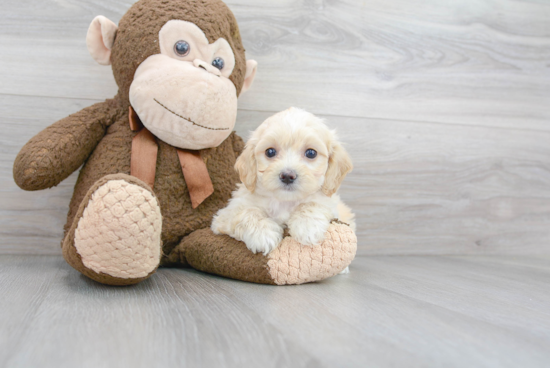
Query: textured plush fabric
column 112, row 156
column 119, row 231
column 57, row 151
column 70, row 253
column 99, row 138
column 289, row 264
column 143, row 162
column 220, row 255
column 292, row 264
column 182, row 104
column 196, row 176
column 100, row 38
column 143, row 22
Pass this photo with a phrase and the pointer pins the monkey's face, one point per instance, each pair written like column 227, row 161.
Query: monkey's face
column 184, row 84
column 183, row 95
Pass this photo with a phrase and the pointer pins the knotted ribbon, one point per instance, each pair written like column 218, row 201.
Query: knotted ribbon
column 143, row 164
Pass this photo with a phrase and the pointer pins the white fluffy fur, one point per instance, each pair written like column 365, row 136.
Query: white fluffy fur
column 263, row 205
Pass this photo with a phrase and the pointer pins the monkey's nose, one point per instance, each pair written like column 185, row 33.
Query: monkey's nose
column 288, row 177
column 209, row 68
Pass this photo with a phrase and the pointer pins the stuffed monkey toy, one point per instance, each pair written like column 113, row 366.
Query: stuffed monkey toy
column 158, row 159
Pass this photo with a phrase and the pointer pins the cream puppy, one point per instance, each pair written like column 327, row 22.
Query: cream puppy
column 290, row 170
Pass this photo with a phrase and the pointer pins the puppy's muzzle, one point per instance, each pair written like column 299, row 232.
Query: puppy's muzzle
column 288, row 177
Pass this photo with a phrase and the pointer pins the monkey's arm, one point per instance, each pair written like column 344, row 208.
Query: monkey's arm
column 57, row 151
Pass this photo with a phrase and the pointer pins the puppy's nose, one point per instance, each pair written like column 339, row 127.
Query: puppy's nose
column 288, row 177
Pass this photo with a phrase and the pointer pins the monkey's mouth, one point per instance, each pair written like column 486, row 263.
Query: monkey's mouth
column 187, row 119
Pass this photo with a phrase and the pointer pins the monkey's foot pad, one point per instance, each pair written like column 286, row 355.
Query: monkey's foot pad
column 292, row 263
column 289, row 264
column 115, row 237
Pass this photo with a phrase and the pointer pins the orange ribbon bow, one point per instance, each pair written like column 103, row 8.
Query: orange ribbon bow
column 143, row 163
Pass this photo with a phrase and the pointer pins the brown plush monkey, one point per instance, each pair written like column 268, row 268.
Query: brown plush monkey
column 159, row 157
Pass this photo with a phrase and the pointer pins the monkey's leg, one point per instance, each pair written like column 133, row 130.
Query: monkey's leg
column 289, row 264
column 115, row 236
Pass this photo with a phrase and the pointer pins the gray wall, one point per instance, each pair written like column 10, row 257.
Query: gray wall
column 445, row 109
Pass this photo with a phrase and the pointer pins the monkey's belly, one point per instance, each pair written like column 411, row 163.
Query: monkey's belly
column 179, row 218
column 112, row 155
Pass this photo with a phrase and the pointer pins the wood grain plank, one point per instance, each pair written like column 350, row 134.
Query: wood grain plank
column 500, row 290
column 417, row 188
column 24, row 284
column 467, row 62
column 423, row 61
column 389, row 311
column 446, row 190
column 421, row 188
column 415, row 312
column 176, row 319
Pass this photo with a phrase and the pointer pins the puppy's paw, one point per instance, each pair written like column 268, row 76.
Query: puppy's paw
column 219, row 226
column 266, row 236
column 344, row 271
column 308, row 230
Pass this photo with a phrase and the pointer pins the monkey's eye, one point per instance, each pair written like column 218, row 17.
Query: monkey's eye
column 311, row 153
column 182, row 48
column 270, row 152
column 218, row 63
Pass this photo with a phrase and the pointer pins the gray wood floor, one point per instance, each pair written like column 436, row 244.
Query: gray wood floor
column 445, row 109
column 390, row 311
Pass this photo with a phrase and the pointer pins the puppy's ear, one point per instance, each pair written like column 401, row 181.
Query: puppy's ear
column 339, row 165
column 246, row 167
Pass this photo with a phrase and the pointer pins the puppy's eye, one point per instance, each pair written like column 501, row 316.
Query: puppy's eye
column 182, row 48
column 270, row 152
column 311, row 153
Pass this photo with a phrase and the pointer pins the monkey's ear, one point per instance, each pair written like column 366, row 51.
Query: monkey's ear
column 100, row 39
column 251, row 67
column 246, row 167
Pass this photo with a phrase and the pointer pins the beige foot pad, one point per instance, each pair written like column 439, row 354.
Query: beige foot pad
column 290, row 264
column 117, row 237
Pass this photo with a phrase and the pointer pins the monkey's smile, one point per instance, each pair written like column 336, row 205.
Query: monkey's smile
column 187, row 119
